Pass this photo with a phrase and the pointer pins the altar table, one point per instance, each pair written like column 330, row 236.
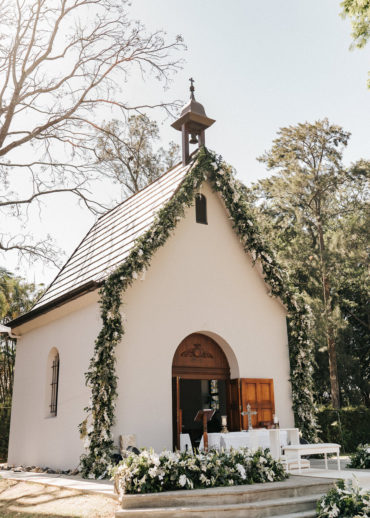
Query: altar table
column 253, row 439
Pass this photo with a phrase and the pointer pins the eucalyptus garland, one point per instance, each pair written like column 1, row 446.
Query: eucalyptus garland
column 101, row 376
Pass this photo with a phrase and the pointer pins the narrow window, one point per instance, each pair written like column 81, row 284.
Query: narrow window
column 54, row 385
column 201, row 209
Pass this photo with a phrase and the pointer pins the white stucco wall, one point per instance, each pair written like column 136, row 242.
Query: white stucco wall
column 200, row 281
column 35, row 438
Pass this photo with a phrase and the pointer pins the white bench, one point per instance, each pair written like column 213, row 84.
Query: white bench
column 296, row 450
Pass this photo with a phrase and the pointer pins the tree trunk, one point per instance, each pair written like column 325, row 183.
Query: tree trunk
column 333, row 369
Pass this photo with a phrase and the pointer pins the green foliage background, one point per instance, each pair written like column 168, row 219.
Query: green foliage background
column 310, row 196
column 348, row 426
column 16, row 297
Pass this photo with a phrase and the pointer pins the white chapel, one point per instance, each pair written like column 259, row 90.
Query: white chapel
column 201, row 327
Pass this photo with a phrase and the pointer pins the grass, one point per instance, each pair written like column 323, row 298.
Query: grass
column 20, row 499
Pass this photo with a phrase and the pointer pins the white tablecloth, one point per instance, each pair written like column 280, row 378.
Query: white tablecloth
column 258, row 438
column 252, row 439
column 213, row 441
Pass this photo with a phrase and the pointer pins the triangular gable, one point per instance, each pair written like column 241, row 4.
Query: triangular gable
column 221, row 177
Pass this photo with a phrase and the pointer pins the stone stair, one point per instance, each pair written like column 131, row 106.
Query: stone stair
column 292, row 498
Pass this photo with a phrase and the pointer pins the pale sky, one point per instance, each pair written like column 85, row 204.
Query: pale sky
column 257, row 66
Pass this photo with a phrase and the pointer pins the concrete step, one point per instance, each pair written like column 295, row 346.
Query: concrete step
column 291, row 488
column 305, row 514
column 258, row 509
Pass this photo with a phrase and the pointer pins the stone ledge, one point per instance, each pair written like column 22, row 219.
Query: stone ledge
column 293, row 487
column 259, row 509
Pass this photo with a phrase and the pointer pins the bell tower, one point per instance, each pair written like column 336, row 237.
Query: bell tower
column 192, row 123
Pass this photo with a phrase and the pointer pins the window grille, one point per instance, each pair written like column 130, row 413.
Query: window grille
column 54, row 385
column 201, row 209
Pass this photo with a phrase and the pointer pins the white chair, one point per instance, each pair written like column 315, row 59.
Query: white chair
column 185, row 442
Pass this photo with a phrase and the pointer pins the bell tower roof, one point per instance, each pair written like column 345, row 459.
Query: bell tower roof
column 193, row 121
column 194, row 107
column 193, row 112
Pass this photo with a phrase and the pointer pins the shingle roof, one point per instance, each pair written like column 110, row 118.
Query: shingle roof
column 111, row 238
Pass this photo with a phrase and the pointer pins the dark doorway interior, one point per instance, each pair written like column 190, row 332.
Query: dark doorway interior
column 196, row 395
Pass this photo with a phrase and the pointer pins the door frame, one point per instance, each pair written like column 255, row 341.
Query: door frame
column 197, row 362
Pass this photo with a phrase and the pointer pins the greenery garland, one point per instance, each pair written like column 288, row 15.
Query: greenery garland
column 101, row 376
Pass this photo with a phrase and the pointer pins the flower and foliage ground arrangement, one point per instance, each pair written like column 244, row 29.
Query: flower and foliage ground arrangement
column 360, row 459
column 345, row 500
column 150, row 472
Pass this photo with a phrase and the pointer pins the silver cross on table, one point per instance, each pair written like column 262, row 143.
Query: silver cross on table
column 249, row 413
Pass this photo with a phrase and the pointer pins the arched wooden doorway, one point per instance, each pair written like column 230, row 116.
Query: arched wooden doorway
column 197, row 361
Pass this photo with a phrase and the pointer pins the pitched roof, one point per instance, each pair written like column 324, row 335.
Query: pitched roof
column 109, row 241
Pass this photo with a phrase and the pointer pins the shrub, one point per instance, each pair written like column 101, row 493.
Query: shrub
column 347, row 426
column 361, row 458
column 149, row 472
column 344, row 500
column 4, row 432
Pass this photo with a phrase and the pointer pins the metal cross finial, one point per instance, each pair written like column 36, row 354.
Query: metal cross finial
column 192, row 89
column 249, row 413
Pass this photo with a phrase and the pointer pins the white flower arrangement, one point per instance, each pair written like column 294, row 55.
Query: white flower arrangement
column 345, row 499
column 150, row 472
column 360, row 459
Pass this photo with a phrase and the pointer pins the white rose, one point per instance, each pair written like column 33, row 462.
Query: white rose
column 241, row 470
column 153, row 472
column 182, row 480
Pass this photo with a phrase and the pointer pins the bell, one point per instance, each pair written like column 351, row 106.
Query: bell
column 193, row 139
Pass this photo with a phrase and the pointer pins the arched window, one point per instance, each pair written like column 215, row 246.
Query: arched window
column 54, row 382
column 201, row 209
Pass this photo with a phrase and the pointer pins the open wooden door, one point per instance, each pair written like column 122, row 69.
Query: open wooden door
column 259, row 393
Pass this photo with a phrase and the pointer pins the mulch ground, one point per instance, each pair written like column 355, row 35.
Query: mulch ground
column 30, row 500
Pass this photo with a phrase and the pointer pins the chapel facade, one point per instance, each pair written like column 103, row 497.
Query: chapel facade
column 201, row 329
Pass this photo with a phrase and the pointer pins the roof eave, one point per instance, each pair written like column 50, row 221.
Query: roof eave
column 63, row 299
